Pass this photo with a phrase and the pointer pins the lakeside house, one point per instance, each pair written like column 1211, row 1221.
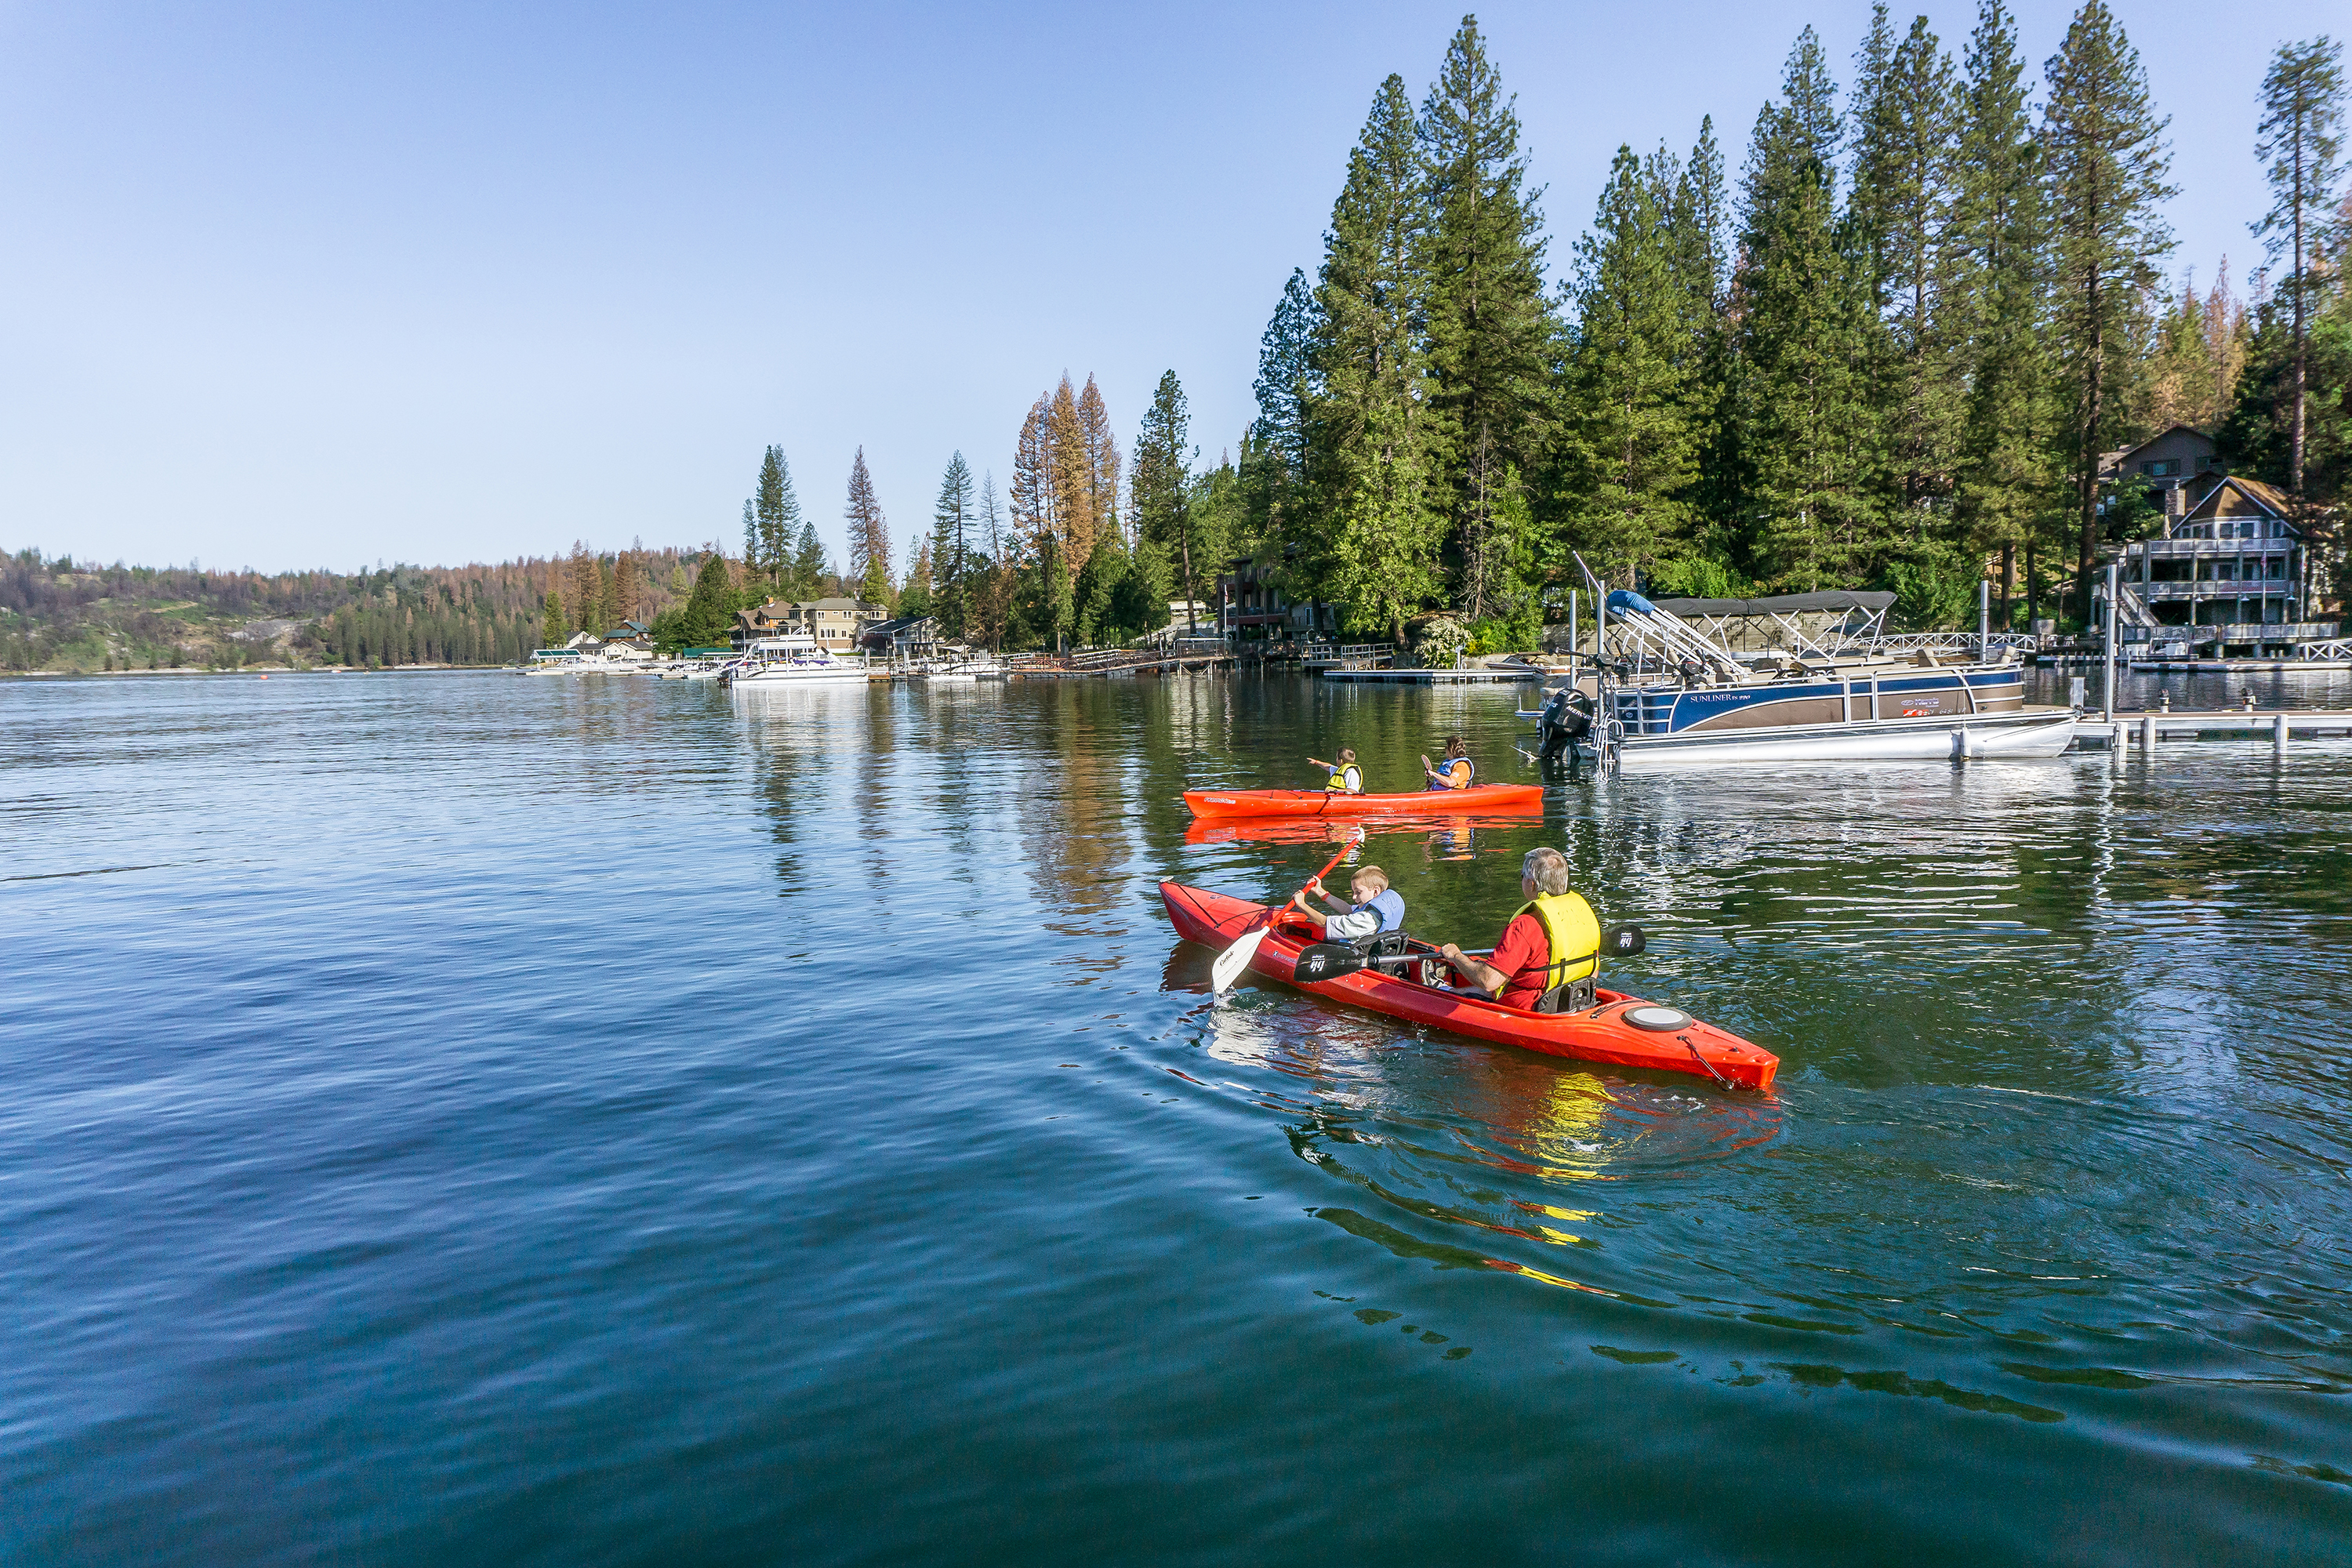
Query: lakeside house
column 2230, row 570
column 1254, row 607
column 836, row 624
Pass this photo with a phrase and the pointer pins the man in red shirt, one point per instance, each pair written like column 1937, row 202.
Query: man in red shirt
column 1552, row 940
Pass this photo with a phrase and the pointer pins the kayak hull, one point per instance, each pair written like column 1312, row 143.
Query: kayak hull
column 1210, row 803
column 1597, row 1034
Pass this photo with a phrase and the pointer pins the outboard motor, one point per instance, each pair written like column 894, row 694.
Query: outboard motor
column 1566, row 719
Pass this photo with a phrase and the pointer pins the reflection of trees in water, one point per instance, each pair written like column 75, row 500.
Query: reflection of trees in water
column 1075, row 800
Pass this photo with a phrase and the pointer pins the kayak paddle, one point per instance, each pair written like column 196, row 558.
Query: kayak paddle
column 1236, row 958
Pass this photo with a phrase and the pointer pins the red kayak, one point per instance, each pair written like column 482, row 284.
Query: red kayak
column 1621, row 1029
column 1222, row 803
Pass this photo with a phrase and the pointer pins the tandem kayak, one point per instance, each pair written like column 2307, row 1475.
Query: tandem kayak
column 1623, row 1030
column 1222, row 803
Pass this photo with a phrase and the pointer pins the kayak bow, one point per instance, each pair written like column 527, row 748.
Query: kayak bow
column 1225, row 803
column 1621, row 1029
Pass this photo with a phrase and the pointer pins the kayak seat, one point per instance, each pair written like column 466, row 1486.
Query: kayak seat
column 1574, row 997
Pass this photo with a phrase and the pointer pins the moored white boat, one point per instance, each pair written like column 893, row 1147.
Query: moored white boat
column 794, row 659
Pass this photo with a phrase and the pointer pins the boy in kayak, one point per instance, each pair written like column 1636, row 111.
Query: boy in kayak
column 1455, row 770
column 1346, row 778
column 1552, row 942
column 1376, row 907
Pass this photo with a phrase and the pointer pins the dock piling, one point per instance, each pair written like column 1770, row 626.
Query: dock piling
column 2278, row 731
column 2147, row 737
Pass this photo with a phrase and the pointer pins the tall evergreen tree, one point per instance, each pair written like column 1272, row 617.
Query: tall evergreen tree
column 809, row 566
column 779, row 517
column 1809, row 435
column 1631, row 435
column 1274, row 452
column 2003, row 480
column 628, row 591
column 1098, row 451
column 2107, row 168
column 870, row 536
column 609, row 599
column 1487, row 327
column 1162, row 490
column 952, row 520
column 1906, row 131
column 2300, row 137
column 710, row 611
column 1372, row 441
column 554, row 629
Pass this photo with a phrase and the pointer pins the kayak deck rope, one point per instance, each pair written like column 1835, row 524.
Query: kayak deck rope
column 1702, row 1061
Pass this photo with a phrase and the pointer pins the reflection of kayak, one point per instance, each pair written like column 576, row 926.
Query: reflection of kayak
column 1330, row 803
column 1612, row 1031
column 1331, row 830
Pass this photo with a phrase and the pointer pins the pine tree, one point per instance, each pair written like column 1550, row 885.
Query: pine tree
column 809, row 566
column 754, row 558
column 555, row 630
column 587, row 586
column 1906, row 124
column 1631, row 437
column 627, row 595
column 1163, row 488
column 609, row 600
column 1073, row 482
column 951, row 518
column 1488, row 327
column 1273, row 453
column 2107, row 168
column 870, row 536
column 1372, row 441
column 2003, row 480
column 2299, row 137
column 1809, row 437
column 1099, row 450
column 710, row 611
column 779, row 518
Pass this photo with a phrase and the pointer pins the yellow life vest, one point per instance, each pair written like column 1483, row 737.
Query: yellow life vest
column 1348, row 779
column 1574, row 933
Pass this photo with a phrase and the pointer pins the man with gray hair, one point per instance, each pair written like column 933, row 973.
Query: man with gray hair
column 1552, row 945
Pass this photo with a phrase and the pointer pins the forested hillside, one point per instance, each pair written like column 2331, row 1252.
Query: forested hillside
column 65, row 614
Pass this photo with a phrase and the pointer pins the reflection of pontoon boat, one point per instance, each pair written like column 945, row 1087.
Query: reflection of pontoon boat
column 1672, row 688
column 792, row 659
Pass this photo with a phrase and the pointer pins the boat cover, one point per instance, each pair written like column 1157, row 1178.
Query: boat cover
column 1779, row 603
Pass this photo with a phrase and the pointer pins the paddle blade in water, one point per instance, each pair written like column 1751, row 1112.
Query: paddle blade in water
column 1623, row 941
column 1234, row 960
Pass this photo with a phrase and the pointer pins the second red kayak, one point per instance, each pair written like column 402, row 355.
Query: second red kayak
column 1222, row 803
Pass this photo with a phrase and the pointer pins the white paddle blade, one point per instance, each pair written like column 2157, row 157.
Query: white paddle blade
column 1234, row 960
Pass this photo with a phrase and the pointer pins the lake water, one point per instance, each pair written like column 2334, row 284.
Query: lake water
column 471, row 1119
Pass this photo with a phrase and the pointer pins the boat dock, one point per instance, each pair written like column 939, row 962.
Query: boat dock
column 2153, row 727
column 1491, row 676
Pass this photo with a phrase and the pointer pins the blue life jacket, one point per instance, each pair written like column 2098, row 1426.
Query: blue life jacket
column 1446, row 767
column 1389, row 904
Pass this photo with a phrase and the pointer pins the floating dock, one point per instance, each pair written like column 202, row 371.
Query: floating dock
column 2245, row 666
column 2152, row 727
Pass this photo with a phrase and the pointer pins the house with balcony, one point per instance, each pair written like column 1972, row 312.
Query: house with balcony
column 2230, row 573
column 2176, row 468
column 836, row 622
column 1252, row 606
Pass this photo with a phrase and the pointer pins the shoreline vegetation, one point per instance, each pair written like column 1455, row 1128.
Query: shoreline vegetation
column 1901, row 350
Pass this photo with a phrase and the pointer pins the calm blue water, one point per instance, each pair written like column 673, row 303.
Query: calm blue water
column 471, row 1119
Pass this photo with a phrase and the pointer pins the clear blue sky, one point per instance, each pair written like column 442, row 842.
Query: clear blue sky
column 316, row 285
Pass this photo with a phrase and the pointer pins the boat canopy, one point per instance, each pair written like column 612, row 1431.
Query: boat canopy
column 1779, row 603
